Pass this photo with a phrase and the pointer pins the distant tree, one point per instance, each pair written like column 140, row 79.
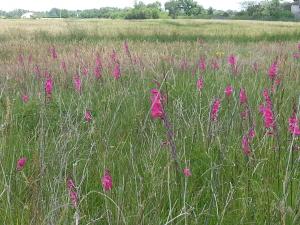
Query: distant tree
column 210, row 11
column 173, row 8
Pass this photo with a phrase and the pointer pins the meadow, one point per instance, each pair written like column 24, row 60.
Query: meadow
column 149, row 122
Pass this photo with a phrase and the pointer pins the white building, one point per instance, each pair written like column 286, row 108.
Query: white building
column 27, row 15
column 295, row 9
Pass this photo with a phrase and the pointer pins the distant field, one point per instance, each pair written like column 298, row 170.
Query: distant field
column 75, row 100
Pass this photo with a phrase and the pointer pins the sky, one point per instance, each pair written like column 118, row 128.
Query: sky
column 43, row 5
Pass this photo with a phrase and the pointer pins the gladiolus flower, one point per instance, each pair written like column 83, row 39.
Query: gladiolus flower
column 25, row 98
column 296, row 55
column 232, row 60
column 267, row 97
column 21, row 163
column 77, row 83
column 202, row 64
column 200, row 83
column 88, row 116
column 246, row 145
column 187, row 172
column 156, row 104
column 228, row 90
column 106, row 181
column 215, row 110
column 294, row 125
column 273, row 70
column 243, row 96
column 72, row 192
column 53, row 52
column 117, row 71
column 21, row 59
column 49, row 87
column 126, row 48
column 268, row 117
column 251, row 133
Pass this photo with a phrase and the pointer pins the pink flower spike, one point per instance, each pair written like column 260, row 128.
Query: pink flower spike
column 53, row 52
column 251, row 134
column 243, row 96
column 202, row 64
column 273, row 71
column 215, row 65
column 74, row 198
column 21, row 163
column 294, row 127
column 70, row 184
column 157, row 110
column 106, row 181
column 25, row 98
column 187, row 172
column 77, row 83
column 228, row 90
column 117, row 71
column 200, row 83
column 296, row 55
column 246, row 146
column 88, row 116
column 215, row 110
column 232, row 60
column 49, row 87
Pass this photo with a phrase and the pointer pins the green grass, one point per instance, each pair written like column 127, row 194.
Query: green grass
column 226, row 187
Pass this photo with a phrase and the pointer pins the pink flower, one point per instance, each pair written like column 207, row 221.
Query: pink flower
column 97, row 72
column 25, row 98
column 294, row 125
column 70, row 184
column 296, row 55
column 228, row 90
column 200, row 83
column 106, row 181
column 49, row 87
column 273, row 70
column 268, row 117
column 72, row 192
column 88, row 116
column 251, row 133
column 85, row 71
column 215, row 65
column 215, row 110
column 187, row 172
column 157, row 110
column 21, row 163
column 117, row 71
column 202, row 64
column 74, row 198
column 246, row 146
column 21, row 59
column 267, row 97
column 53, row 52
column 243, row 96
column 232, row 60
column 77, row 83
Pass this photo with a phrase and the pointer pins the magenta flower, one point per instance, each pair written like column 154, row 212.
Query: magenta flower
column 106, row 181
column 273, row 71
column 296, row 55
column 267, row 97
column 72, row 192
column 200, row 83
column 49, row 87
column 25, row 98
column 117, row 71
column 232, row 60
column 228, row 90
column 77, row 83
column 202, row 64
column 268, row 116
column 215, row 109
column 21, row 59
column 88, row 116
column 187, row 172
column 251, row 133
column 157, row 110
column 246, row 145
column 294, row 125
column 21, row 163
column 126, row 48
column 243, row 96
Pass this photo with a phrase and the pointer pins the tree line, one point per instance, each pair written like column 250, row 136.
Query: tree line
column 259, row 10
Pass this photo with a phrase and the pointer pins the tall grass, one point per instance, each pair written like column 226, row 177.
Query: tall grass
column 226, row 187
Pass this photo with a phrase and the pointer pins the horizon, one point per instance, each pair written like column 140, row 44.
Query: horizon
column 46, row 5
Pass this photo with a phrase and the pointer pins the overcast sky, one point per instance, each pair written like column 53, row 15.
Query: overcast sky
column 42, row 5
